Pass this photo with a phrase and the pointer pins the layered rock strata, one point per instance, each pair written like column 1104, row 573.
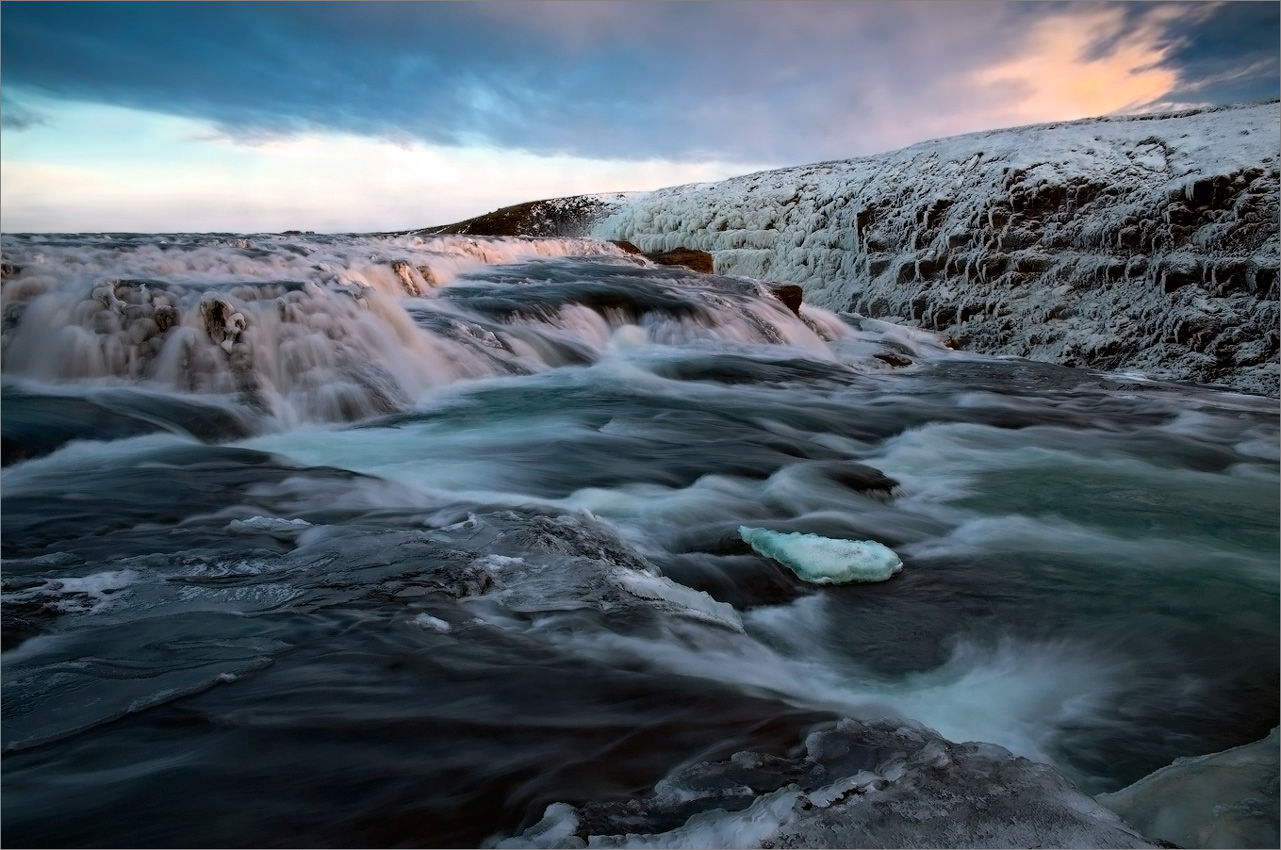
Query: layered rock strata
column 1144, row 243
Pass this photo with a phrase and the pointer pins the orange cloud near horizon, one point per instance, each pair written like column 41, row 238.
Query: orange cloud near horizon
column 1056, row 78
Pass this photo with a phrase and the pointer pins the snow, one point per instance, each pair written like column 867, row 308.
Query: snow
column 1145, row 242
column 822, row 560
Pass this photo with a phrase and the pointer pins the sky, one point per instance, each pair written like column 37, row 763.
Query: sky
column 373, row 116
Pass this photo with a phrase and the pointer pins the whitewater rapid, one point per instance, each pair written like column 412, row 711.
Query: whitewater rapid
column 358, row 539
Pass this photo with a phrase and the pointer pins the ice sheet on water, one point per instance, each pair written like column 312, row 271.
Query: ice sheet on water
column 822, row 560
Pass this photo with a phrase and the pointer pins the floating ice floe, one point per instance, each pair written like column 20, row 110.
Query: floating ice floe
column 823, row 560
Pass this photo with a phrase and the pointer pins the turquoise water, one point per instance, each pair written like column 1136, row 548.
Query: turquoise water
column 503, row 568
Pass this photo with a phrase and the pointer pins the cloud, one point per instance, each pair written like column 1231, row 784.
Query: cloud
column 1061, row 75
column 148, row 172
column 15, row 116
column 1228, row 54
column 293, row 115
column 776, row 82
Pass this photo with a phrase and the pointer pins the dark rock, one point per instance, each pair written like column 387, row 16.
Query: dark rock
column 857, row 476
column 699, row 261
column 790, row 294
column 1265, row 282
column 1178, row 276
column 625, row 246
column 165, row 317
column 571, row 216
column 893, row 359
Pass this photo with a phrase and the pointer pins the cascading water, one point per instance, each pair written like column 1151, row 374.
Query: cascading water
column 361, row 540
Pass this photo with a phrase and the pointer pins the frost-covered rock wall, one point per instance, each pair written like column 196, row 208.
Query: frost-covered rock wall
column 1146, row 242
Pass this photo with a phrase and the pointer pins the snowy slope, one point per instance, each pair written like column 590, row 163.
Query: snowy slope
column 1144, row 243
column 572, row 216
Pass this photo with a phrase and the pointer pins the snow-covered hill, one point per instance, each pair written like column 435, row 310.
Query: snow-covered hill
column 1146, row 242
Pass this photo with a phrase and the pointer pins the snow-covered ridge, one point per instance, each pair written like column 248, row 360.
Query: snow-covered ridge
column 575, row 215
column 1145, row 242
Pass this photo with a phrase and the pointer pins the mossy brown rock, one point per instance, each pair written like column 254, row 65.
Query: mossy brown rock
column 699, row 261
column 790, row 294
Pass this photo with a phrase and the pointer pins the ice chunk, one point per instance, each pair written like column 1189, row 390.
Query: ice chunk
column 556, row 829
column 823, row 560
column 268, row 523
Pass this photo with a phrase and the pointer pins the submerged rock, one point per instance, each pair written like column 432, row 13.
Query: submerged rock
column 857, row 785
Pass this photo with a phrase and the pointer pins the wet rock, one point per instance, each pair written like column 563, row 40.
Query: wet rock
column 699, row 261
column 859, row 477
column 893, row 359
column 404, row 273
column 790, row 294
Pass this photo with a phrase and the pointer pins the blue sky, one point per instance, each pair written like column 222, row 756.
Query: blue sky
column 374, row 116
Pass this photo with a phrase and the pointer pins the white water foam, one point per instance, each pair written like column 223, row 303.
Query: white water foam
column 1019, row 694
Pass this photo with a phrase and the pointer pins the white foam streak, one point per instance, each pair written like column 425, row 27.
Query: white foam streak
column 1018, row 694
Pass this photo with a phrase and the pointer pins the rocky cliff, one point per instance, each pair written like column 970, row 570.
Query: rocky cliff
column 1144, row 243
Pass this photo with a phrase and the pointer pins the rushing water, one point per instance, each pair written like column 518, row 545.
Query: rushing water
column 338, row 541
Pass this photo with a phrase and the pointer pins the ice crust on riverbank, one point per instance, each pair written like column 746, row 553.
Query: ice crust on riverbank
column 876, row 784
column 1144, row 243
